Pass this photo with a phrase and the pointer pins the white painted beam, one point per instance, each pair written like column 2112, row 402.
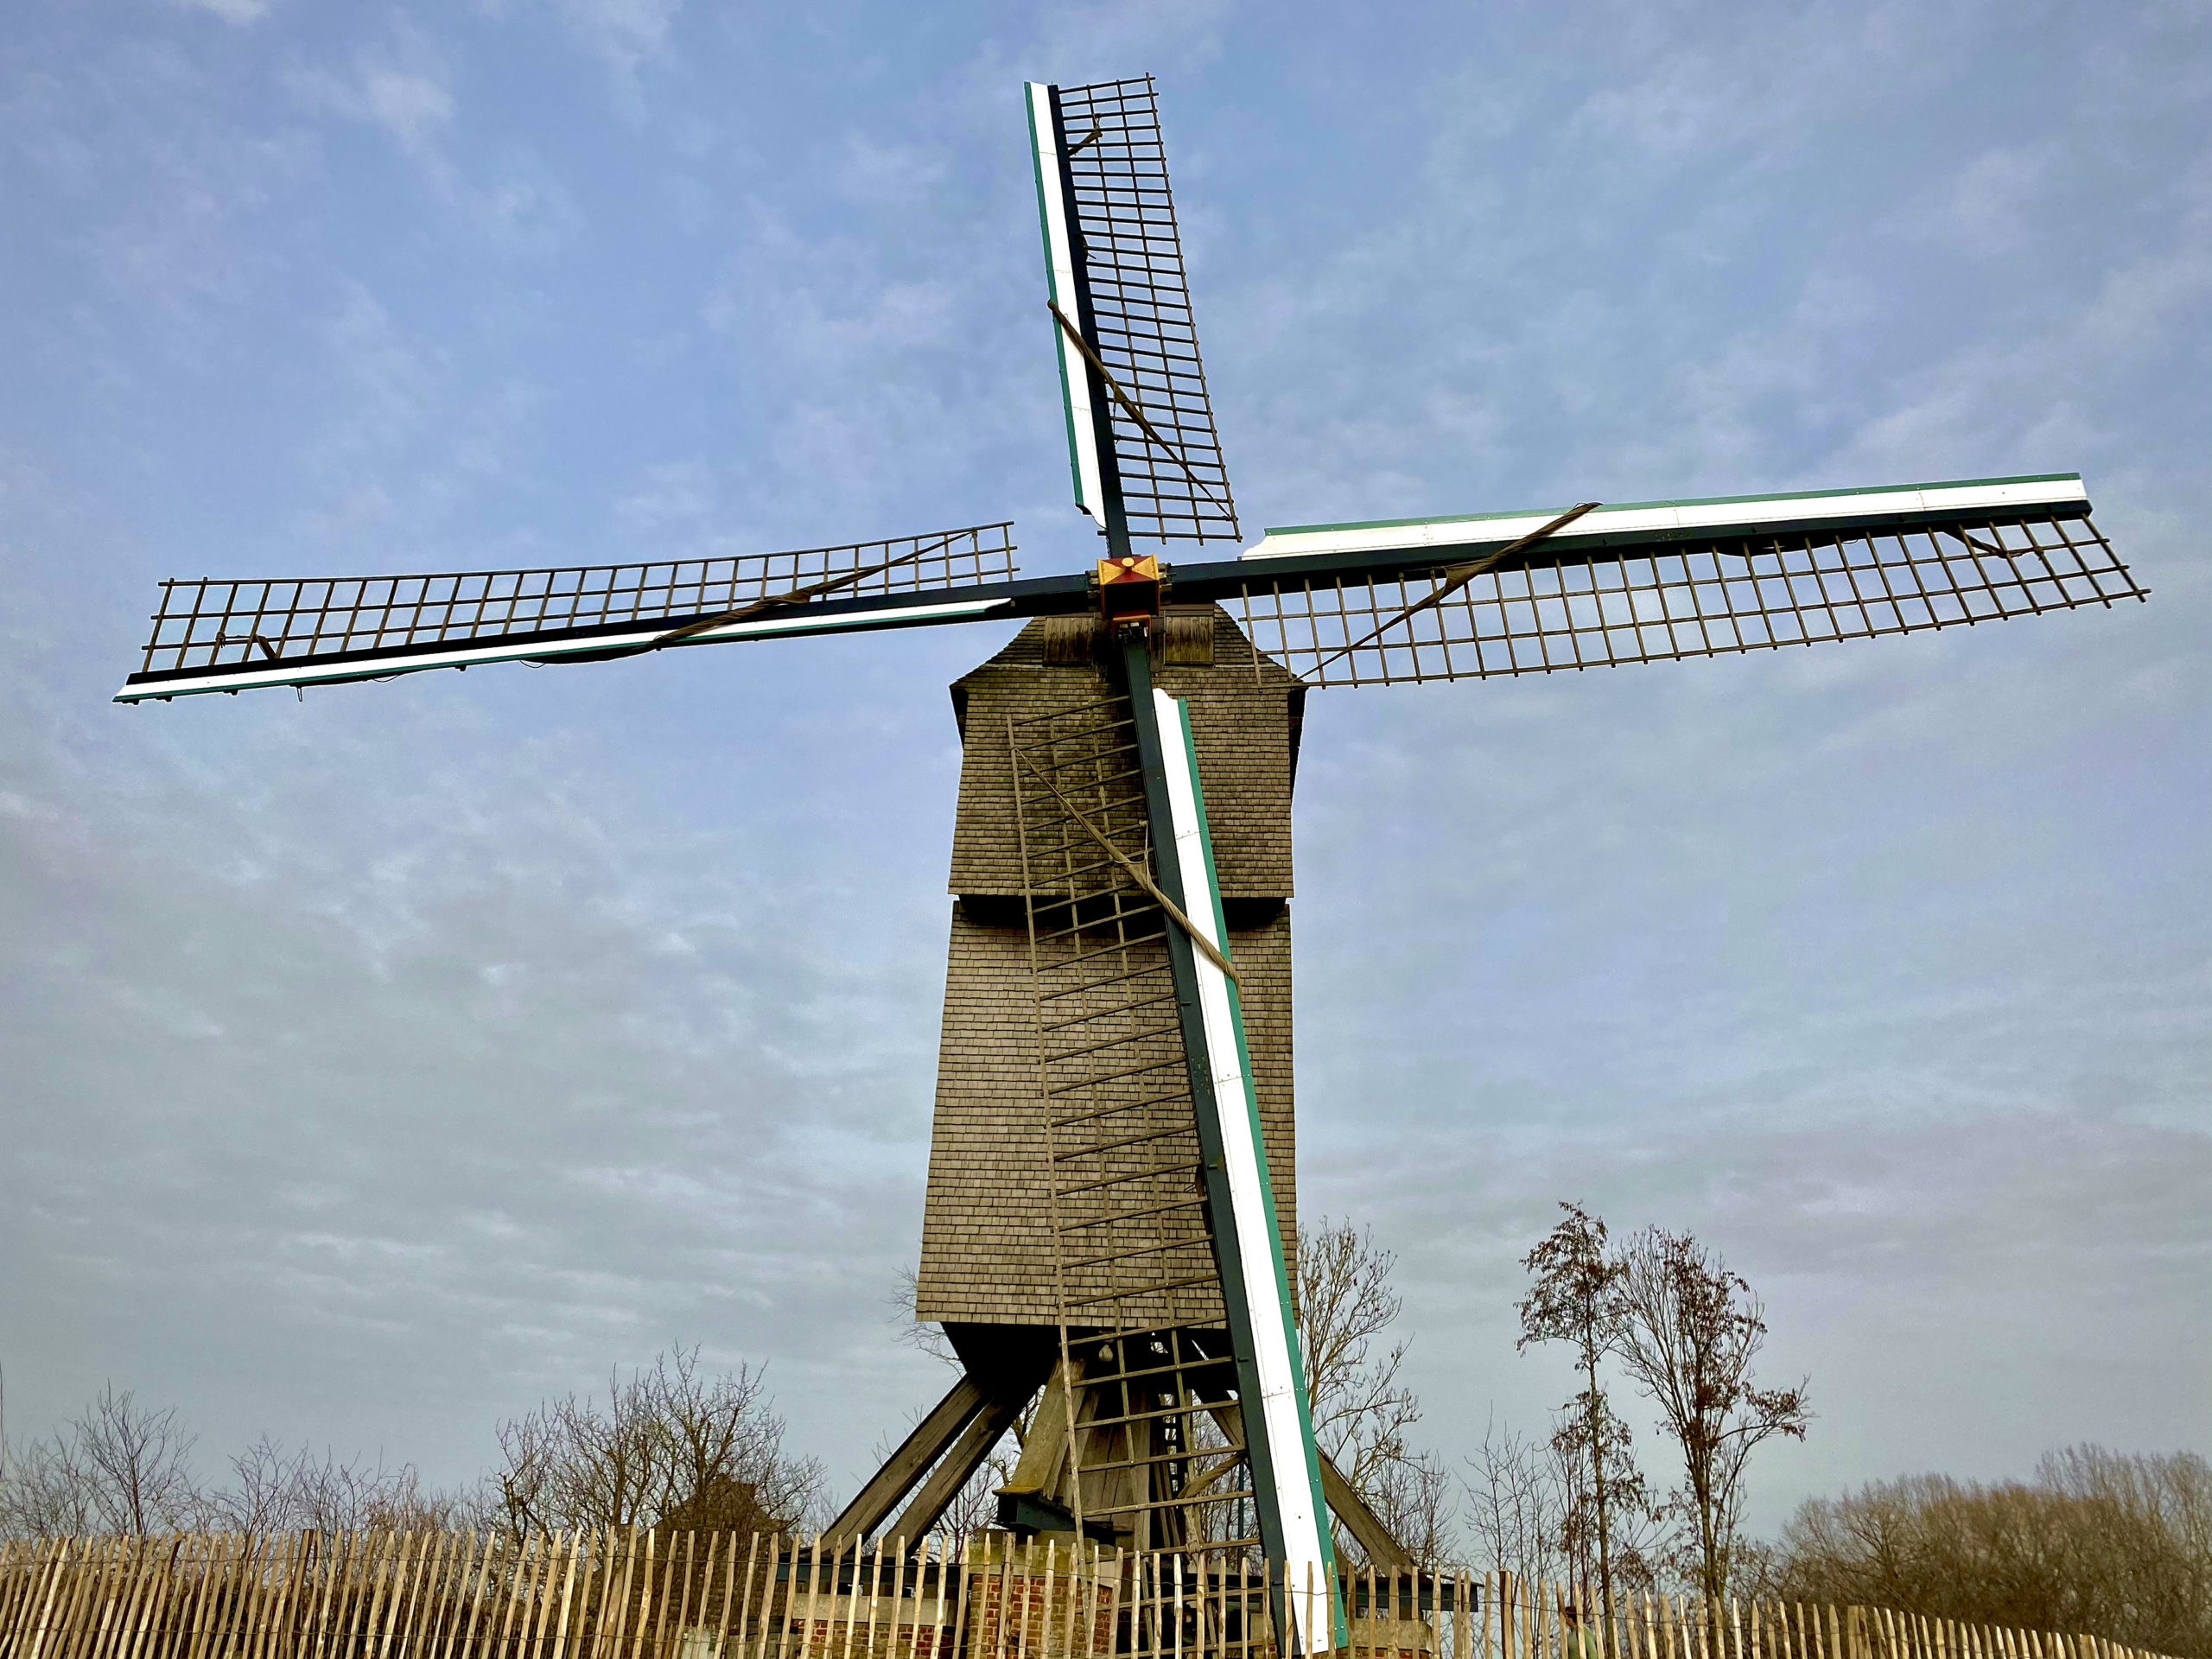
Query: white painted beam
column 1263, row 1277
column 244, row 677
column 1720, row 515
column 1056, row 214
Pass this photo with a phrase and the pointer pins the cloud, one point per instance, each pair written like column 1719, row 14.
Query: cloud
column 721, row 1101
column 236, row 13
column 401, row 85
column 624, row 34
column 890, row 174
column 1984, row 207
column 148, row 180
column 1867, row 1249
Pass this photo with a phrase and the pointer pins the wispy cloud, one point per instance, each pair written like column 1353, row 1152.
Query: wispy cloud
column 399, row 82
column 236, row 13
column 402, row 83
column 625, row 34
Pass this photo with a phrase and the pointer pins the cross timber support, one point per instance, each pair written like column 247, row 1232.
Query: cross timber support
column 943, row 1451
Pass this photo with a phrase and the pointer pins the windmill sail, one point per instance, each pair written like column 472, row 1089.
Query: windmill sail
column 1355, row 604
column 218, row 635
column 1139, row 422
column 1430, row 598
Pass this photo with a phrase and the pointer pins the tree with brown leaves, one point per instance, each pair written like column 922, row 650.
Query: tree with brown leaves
column 1690, row 1332
column 1576, row 1297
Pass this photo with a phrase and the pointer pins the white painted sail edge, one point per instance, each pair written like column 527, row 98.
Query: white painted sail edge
column 243, row 678
column 1059, row 264
column 1278, row 1413
column 1749, row 512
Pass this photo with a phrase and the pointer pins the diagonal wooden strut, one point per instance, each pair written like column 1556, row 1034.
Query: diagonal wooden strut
column 1136, row 872
column 1127, row 403
column 963, row 1404
column 1459, row 575
column 957, row 1467
column 810, row 590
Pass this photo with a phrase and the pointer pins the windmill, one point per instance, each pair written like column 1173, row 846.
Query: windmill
column 1110, row 1204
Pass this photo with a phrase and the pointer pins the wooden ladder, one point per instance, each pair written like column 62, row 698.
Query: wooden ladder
column 1144, row 1348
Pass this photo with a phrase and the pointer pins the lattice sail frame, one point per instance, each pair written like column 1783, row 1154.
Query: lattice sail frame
column 285, row 632
column 1115, row 256
column 1582, row 604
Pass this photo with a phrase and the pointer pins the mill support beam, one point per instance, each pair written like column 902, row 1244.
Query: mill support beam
column 957, row 1466
column 1247, row 1244
column 964, row 1402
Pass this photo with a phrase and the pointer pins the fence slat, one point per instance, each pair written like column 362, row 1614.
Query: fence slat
column 632, row 1593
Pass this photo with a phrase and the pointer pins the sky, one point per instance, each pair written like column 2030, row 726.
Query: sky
column 380, row 1062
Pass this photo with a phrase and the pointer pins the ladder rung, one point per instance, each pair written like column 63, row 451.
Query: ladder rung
column 1133, row 1175
column 1090, row 1514
column 1138, row 1332
column 1198, row 1242
column 1112, row 1077
column 1173, row 1368
column 1067, row 1054
column 1059, row 888
column 1145, row 1290
column 1145, row 1139
column 1190, row 1408
column 1052, row 814
column 1077, row 929
column 1118, row 1008
column 1120, row 1216
column 1142, row 940
column 1119, row 1107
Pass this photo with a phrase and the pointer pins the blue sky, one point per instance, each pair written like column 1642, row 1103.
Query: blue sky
column 382, row 1061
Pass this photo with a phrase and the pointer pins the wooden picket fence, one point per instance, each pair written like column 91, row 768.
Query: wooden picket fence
column 648, row 1595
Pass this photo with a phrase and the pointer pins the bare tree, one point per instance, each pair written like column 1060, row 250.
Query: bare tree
column 1413, row 1497
column 43, row 1495
column 1361, row 1410
column 1513, row 1504
column 916, row 1333
column 138, row 1462
column 275, row 1490
column 2116, row 1543
column 1692, row 1331
column 116, row 1467
column 673, row 1445
column 1577, row 1297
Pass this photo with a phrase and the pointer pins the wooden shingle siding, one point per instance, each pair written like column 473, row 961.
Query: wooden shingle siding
column 987, row 1255
column 1244, row 715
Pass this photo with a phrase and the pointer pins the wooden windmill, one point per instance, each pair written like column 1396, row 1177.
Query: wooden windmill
column 1111, row 1195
